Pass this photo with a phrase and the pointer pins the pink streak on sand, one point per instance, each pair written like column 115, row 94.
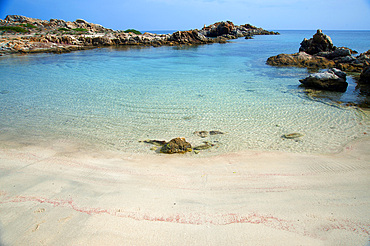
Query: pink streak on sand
column 196, row 218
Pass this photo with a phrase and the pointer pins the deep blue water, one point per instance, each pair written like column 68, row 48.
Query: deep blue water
column 111, row 98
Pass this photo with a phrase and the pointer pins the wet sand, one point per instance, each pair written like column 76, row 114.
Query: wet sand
column 62, row 195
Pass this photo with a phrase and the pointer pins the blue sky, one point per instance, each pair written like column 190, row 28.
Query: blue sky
column 191, row 14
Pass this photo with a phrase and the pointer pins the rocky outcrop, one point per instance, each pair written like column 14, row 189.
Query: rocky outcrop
column 176, row 145
column 341, row 58
column 219, row 29
column 55, row 24
column 229, row 30
column 22, row 19
column 319, row 52
column 318, row 43
column 186, row 37
column 45, row 36
column 363, row 86
column 330, row 80
column 365, row 76
column 300, row 59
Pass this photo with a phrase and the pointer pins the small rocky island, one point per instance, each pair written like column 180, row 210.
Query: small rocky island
column 319, row 52
column 20, row 34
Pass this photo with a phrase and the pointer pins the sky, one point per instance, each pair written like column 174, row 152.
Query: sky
column 150, row 15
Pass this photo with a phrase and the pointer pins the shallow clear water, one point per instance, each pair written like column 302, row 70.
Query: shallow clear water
column 111, row 98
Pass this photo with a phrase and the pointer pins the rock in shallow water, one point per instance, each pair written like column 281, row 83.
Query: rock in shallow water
column 204, row 134
column 365, row 75
column 201, row 134
column 300, row 59
column 292, row 135
column 206, row 145
column 155, row 142
column 176, row 145
column 215, row 132
column 331, row 80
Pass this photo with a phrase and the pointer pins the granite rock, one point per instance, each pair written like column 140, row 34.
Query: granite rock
column 300, row 59
column 318, row 43
column 330, row 80
column 219, row 29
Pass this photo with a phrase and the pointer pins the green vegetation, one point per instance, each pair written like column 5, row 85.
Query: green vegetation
column 63, row 29
column 133, row 31
column 28, row 25
column 80, row 30
column 12, row 29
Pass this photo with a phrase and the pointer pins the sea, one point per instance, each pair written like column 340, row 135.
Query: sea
column 114, row 98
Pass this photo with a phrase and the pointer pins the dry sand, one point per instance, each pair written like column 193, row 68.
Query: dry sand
column 60, row 195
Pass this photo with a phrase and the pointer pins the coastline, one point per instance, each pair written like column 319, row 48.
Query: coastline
column 20, row 34
column 70, row 192
column 63, row 196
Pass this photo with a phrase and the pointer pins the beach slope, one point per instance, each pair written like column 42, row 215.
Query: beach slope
column 60, row 195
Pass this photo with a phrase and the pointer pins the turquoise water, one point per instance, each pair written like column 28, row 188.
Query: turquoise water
column 111, row 98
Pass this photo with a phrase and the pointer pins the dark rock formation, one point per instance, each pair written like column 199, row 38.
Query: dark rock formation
column 365, row 76
column 319, row 52
column 219, row 29
column 176, row 145
column 230, row 31
column 337, row 53
column 318, row 43
column 330, row 80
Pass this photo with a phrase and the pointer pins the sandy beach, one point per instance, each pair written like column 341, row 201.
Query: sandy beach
column 62, row 195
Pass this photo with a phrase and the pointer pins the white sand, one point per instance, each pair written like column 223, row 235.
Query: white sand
column 60, row 195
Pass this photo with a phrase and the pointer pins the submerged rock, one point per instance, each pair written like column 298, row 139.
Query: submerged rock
column 330, row 80
column 176, row 145
column 215, row 132
column 292, row 135
column 204, row 134
column 155, row 142
column 206, row 145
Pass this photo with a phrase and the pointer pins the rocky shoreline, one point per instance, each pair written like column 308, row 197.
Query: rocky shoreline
column 20, row 34
column 319, row 52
